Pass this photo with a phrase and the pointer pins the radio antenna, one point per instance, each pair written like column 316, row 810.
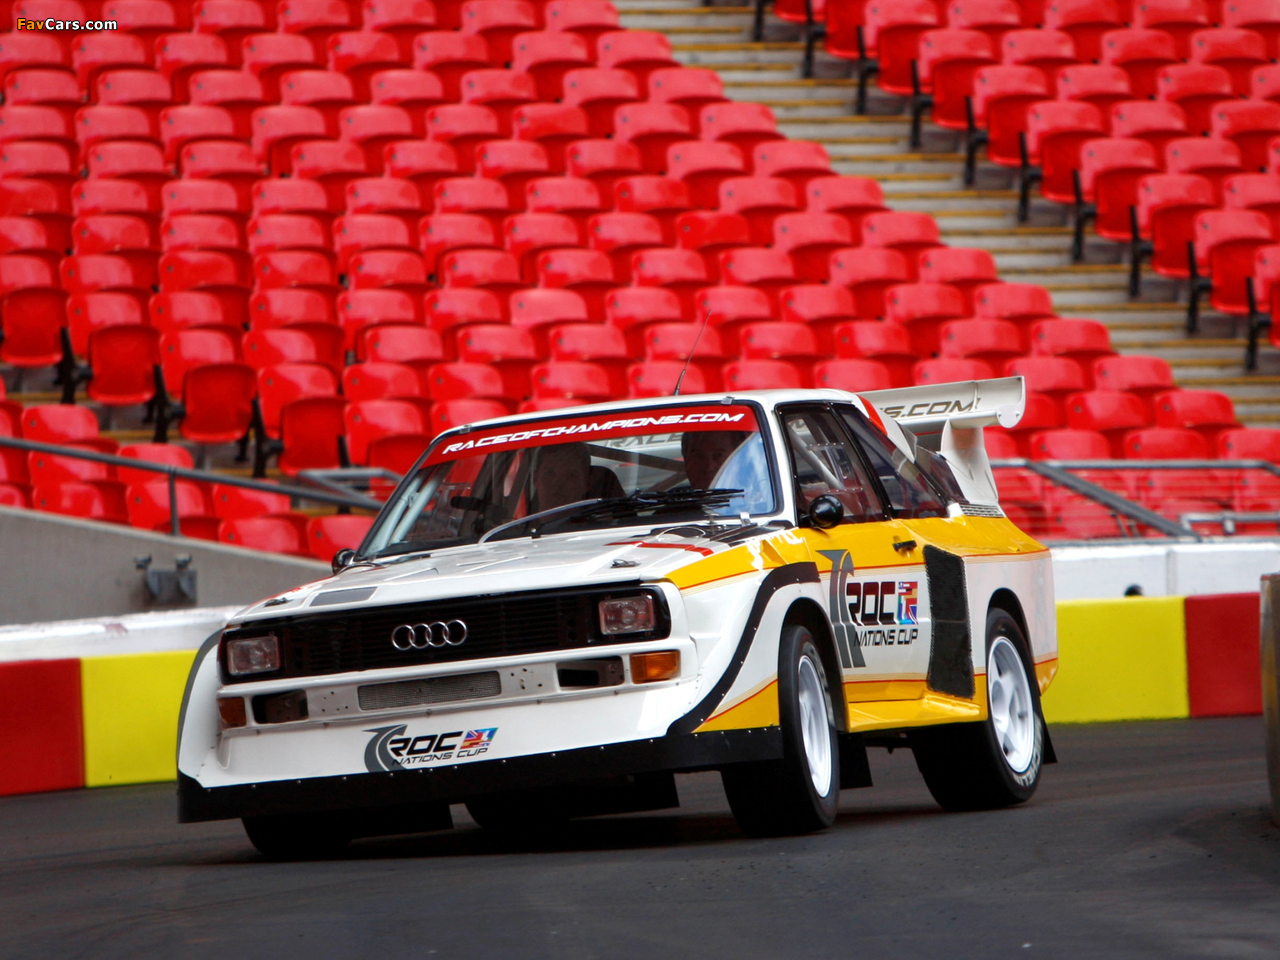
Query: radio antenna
column 692, row 351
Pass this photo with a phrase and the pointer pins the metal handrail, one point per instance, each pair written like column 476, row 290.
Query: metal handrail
column 183, row 473
column 1058, row 471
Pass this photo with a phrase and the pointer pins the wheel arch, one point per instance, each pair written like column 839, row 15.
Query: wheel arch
column 1006, row 600
column 808, row 614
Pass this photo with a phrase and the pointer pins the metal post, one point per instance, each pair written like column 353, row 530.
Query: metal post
column 175, row 525
column 1271, row 685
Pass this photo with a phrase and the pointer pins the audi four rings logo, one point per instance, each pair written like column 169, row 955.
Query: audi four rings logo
column 419, row 636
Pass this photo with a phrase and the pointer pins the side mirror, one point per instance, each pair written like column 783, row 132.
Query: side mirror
column 343, row 559
column 825, row 512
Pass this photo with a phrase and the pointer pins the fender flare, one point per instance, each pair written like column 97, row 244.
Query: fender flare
column 779, row 577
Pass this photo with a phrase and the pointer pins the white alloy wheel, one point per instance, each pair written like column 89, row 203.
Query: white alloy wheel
column 1009, row 702
column 814, row 725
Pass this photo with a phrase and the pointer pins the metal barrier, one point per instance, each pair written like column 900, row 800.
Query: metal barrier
column 328, row 495
column 1271, row 684
column 1059, row 473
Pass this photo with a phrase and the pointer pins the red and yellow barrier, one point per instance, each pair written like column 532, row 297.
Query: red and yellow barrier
column 101, row 721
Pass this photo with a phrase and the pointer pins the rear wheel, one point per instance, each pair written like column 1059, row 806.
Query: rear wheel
column 309, row 836
column 997, row 761
column 799, row 792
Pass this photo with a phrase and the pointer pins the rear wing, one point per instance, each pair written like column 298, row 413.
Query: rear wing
column 949, row 417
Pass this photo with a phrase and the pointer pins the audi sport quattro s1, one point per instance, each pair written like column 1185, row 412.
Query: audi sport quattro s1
column 556, row 612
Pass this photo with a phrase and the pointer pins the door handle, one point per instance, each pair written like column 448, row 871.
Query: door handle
column 904, row 545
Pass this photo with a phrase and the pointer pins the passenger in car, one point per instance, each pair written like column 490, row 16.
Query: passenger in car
column 705, row 452
column 563, row 474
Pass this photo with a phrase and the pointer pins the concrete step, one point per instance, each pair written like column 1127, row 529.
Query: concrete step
column 712, row 54
column 930, row 201
column 835, row 129
column 802, row 89
column 636, row 17
column 1057, row 239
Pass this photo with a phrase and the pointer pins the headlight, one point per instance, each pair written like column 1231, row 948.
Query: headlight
column 627, row 615
column 253, row 655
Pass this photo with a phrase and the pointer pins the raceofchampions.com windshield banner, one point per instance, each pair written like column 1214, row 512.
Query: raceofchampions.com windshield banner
column 599, row 427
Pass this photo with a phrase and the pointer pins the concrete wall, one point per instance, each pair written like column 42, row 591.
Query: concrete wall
column 60, row 568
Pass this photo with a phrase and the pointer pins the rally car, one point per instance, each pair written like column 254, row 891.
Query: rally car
column 556, row 612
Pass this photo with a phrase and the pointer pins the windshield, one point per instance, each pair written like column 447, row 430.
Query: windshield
column 663, row 464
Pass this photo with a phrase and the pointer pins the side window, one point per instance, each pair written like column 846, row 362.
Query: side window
column 909, row 493
column 824, row 463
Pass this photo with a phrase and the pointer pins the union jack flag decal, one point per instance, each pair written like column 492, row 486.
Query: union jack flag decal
column 478, row 738
column 907, row 599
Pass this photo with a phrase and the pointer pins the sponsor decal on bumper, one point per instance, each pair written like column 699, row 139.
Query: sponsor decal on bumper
column 395, row 748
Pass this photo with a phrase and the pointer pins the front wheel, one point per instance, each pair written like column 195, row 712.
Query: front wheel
column 997, row 761
column 800, row 792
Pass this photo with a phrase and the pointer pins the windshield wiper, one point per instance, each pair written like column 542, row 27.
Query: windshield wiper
column 664, row 501
column 540, row 515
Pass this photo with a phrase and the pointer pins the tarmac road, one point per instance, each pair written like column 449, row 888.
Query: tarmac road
column 1146, row 840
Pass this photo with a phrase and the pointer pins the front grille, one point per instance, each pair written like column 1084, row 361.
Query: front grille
column 511, row 624
column 408, row 693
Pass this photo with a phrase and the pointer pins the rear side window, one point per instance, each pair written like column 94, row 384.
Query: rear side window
column 909, row 493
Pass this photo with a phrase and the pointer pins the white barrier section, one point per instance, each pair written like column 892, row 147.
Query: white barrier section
column 1079, row 573
column 134, row 633
column 1162, row 570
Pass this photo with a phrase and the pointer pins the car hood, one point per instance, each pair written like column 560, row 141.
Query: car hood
column 562, row 560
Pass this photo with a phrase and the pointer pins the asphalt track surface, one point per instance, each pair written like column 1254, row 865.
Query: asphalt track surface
column 1146, row 840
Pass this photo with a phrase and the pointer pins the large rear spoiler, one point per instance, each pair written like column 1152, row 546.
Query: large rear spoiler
column 949, row 418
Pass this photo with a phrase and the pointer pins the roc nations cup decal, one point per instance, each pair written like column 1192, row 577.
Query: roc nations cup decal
column 394, row 748
column 869, row 613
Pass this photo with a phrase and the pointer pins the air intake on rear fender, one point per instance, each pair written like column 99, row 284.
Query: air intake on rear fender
column 951, row 657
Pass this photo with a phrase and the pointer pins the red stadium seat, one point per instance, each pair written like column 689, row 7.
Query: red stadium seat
column 761, row 200
column 217, row 400
column 852, row 375
column 745, row 125
column 456, row 307
column 1156, row 122
column 316, row 20
column 911, row 234
column 994, row 18
column 529, row 234
column 1166, row 212
column 1141, row 54
column 1110, row 170
column 514, row 164
column 423, row 163
column 1056, row 131
column 401, row 19
column 948, row 60
column 659, row 378
column 512, row 351
column 281, row 384
column 964, row 268
column 497, row 22
column 380, row 380
column 1001, row 96
column 357, row 310
column 922, row 308
column 290, row 195
column 682, row 272
column 728, row 308
column 689, row 87
column 493, row 270
column 622, row 234
column 589, row 273
column 600, row 94
column 85, row 500
column 359, row 54
column 1178, row 18
column 662, row 198
column 1164, row 443
column 867, row 274
column 551, row 125
column 761, row 375
column 1085, row 21
column 1215, row 160
column 1084, row 341
column 702, row 167
column 1252, row 443
column 455, row 413
column 23, row 49
column 539, row 309
column 854, row 198
column 368, row 231
column 449, row 54
column 462, row 126
column 890, row 33
column 474, row 195
column 1113, row 413
column 1044, row 49
column 328, row 534
column 332, row 164
column 272, row 534
column 632, row 309
column 1252, row 191
column 168, row 454
column 1207, row 412
column 570, row 380
column 1250, row 125
column 268, row 56
column 310, row 343
column 810, row 239
column 821, row 307
column 410, row 344
column 639, row 52
column 603, row 162
column 368, row 420
column 991, row 341
column 1224, row 247
column 1097, row 84
column 1237, row 51
column 87, row 313
column 711, row 234
column 764, row 268
column 1195, row 87
column 501, row 91
column 413, row 91
column 548, row 55
column 296, row 268
column 310, row 432
column 681, row 342
column 774, row 340
column 1140, row 375
column 122, row 359
column 1055, row 377
column 93, row 53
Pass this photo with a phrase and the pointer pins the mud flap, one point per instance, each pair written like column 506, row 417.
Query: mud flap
column 951, row 654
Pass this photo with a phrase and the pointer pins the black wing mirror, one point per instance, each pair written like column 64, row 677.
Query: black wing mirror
column 825, row 511
column 343, row 559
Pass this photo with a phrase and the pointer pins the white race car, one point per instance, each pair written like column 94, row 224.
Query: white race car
column 556, row 612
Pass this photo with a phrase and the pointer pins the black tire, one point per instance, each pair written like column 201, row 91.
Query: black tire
column 964, row 764
column 309, row 836
column 779, row 797
column 515, row 812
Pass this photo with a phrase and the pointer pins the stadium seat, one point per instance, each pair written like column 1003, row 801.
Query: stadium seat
column 1213, row 159
column 500, row 91
column 911, row 234
column 455, row 413
column 950, row 370
column 587, row 19
column 639, row 52
column 702, row 167
column 167, row 454
column 1178, row 18
column 1250, row 125
column 711, row 233
column 761, row 375
column 599, row 94
column 514, row 164
column 1110, row 170
column 497, row 22
column 1085, row 21
column 603, row 162
column 992, row 341
column 889, row 34
column 810, row 239
column 548, row 55
column 588, row 273
column 442, row 233
column 622, row 234
column 1167, row 208
column 760, row 200
column 820, row 307
column 81, row 499
column 1113, row 413
column 1164, row 443
column 867, row 273
column 852, row 375
column 886, row 343
column 764, row 268
column 922, row 308
column 662, row 198
column 272, row 534
column 689, row 87
column 1156, row 122
column 422, row 163
column 1258, row 16
column 1249, row 444
column 528, row 234
column 408, row 343
column 681, row 342
column 745, row 125
column 284, row 383
column 1101, row 85
column 1207, row 412
column 452, row 308
column 462, row 126
column 1141, row 54
column 964, row 268
column 1237, row 51
column 551, row 125
column 512, row 351
column 539, row 309
column 381, row 380
column 326, row 535
column 948, row 59
column 632, row 309
column 682, row 272
column 853, row 198
column 1084, row 341
column 1224, row 248
column 1195, row 87
column 1044, row 49
column 474, row 195
column 450, row 54
column 368, row 420
column 1143, row 376
column 728, row 308
column 122, row 359
column 660, row 378
column 570, row 380
column 1054, row 377
column 413, row 91
column 310, row 432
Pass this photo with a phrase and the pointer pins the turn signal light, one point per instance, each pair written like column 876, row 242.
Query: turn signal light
column 651, row 667
column 232, row 712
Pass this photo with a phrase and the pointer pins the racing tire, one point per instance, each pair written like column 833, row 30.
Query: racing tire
column 800, row 792
column 298, row 837
column 995, row 762
column 514, row 813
